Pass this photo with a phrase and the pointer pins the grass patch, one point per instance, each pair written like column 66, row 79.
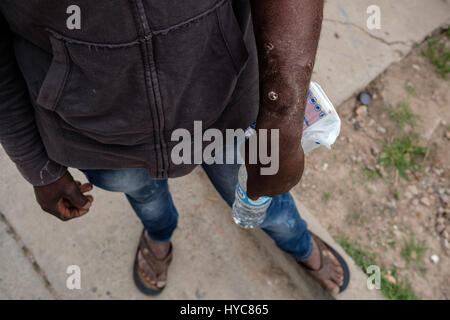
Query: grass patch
column 411, row 88
column 402, row 154
column 355, row 218
column 394, row 291
column 326, row 196
column 402, row 115
column 413, row 252
column 371, row 174
column 438, row 54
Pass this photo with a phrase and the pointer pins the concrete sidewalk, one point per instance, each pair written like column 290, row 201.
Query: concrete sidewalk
column 213, row 259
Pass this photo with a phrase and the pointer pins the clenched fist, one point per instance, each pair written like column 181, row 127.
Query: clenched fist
column 65, row 197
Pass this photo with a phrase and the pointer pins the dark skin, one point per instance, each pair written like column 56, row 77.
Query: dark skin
column 287, row 33
column 65, row 197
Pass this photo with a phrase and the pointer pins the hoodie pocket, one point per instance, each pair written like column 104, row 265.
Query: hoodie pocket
column 198, row 65
column 97, row 90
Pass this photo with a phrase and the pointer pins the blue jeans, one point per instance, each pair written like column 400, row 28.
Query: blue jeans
column 152, row 202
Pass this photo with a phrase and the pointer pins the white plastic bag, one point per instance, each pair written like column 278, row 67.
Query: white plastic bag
column 322, row 124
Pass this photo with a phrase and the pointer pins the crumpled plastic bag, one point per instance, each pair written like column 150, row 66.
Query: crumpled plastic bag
column 322, row 124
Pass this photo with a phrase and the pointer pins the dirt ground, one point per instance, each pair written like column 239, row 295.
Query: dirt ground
column 404, row 221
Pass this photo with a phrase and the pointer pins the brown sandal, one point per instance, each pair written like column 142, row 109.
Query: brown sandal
column 157, row 266
column 325, row 263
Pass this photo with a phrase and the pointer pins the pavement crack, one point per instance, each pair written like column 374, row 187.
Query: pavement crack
column 388, row 43
column 29, row 255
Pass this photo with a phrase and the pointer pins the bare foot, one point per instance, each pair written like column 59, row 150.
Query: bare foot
column 331, row 274
column 160, row 250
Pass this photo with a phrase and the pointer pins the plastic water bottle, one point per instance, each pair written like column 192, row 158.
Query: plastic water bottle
column 321, row 127
column 248, row 213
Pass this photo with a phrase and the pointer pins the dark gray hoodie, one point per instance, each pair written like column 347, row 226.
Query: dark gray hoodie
column 109, row 95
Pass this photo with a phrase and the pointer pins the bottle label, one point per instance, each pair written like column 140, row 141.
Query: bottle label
column 261, row 201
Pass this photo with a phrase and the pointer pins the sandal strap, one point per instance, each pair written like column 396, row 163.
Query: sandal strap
column 325, row 259
column 157, row 266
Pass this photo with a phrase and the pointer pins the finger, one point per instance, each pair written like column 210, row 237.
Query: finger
column 63, row 211
column 77, row 199
column 90, row 199
column 86, row 187
column 76, row 213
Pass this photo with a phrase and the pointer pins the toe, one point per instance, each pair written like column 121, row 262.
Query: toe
column 145, row 268
column 331, row 287
column 337, row 278
column 161, row 280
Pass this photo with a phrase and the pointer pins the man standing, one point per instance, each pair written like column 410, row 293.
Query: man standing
column 101, row 87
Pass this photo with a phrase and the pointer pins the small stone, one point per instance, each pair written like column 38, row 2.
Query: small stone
column 413, row 189
column 374, row 151
column 361, row 110
column 408, row 195
column 416, row 67
column 371, row 122
column 356, row 125
column 444, row 199
column 425, row 201
column 415, row 202
column 446, row 243
column 400, row 265
column 381, row 130
column 440, row 220
column 440, row 228
column 434, row 258
column 390, row 278
column 447, row 135
column 392, row 209
column 325, row 166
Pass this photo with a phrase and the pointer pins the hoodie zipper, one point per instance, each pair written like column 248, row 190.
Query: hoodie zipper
column 153, row 91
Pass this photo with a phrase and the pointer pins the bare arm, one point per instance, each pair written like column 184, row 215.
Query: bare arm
column 287, row 34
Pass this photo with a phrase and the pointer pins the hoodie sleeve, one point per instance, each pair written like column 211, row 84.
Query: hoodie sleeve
column 19, row 135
